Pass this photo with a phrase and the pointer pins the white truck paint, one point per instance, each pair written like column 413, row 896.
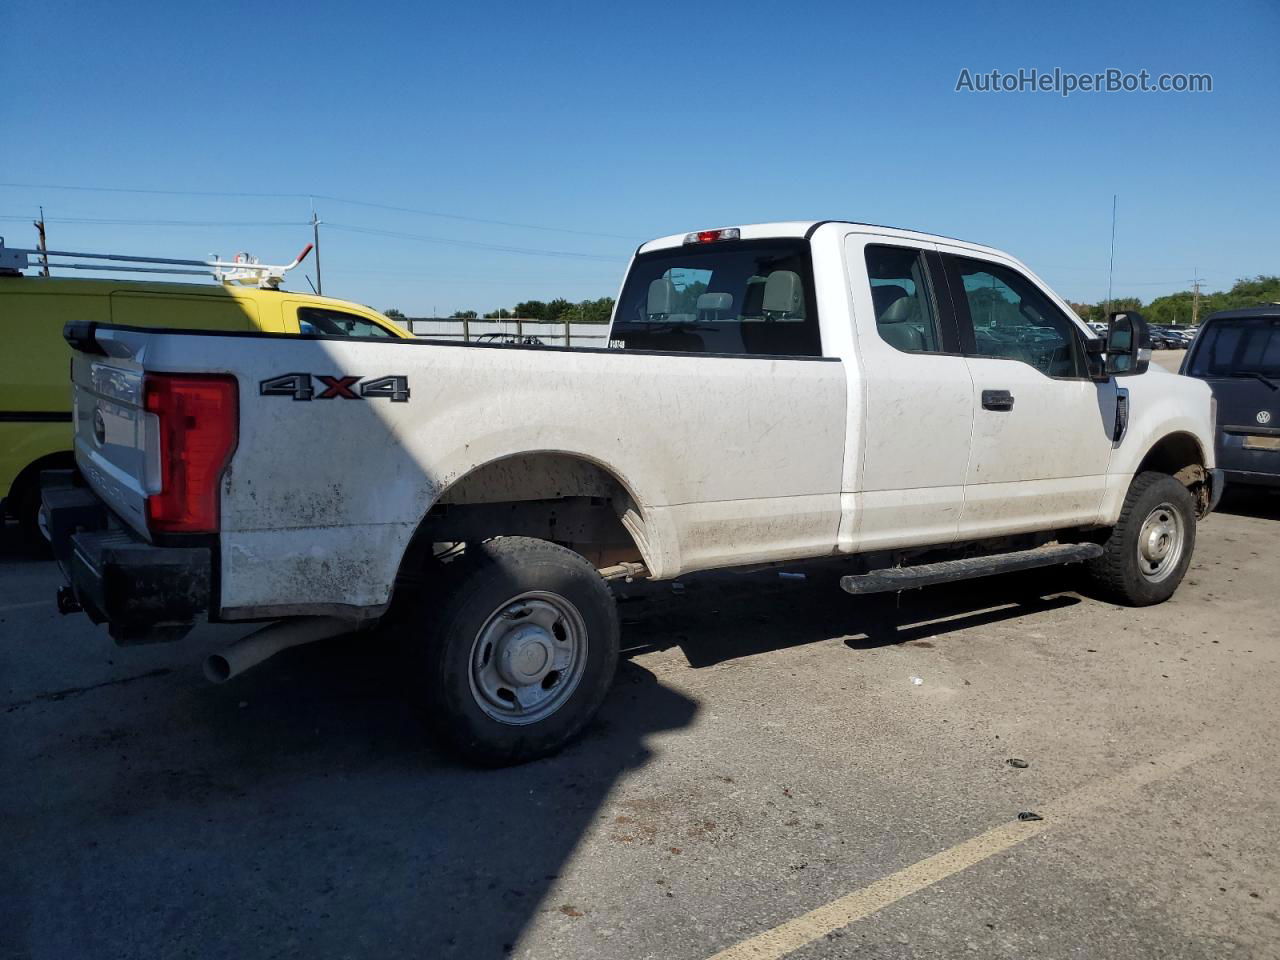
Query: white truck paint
column 865, row 447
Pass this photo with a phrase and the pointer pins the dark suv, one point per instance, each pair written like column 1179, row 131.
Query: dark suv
column 1238, row 354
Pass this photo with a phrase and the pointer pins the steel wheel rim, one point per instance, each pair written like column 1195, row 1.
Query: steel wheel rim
column 1160, row 543
column 528, row 658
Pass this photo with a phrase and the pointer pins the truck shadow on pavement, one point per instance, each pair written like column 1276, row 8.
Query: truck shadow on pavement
column 726, row 616
column 1261, row 503
column 295, row 811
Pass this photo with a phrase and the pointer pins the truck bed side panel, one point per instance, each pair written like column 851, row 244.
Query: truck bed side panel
column 728, row 459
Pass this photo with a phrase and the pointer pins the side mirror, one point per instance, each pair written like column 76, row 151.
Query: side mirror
column 1128, row 344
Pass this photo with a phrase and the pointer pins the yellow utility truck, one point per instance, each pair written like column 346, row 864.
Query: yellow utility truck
column 35, row 390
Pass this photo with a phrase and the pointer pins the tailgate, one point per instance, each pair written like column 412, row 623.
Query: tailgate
column 116, row 440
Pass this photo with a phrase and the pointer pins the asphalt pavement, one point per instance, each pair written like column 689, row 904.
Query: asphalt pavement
column 781, row 769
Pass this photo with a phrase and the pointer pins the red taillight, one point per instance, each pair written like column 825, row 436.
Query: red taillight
column 198, row 426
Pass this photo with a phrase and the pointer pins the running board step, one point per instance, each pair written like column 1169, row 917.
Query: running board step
column 969, row 568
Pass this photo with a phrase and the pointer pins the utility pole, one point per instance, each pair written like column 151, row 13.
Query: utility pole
column 1195, row 299
column 41, row 245
column 315, row 239
column 1112, row 269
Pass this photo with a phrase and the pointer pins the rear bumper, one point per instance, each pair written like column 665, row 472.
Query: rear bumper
column 145, row 593
column 1255, row 479
column 1248, row 464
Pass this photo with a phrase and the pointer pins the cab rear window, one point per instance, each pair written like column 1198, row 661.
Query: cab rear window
column 753, row 298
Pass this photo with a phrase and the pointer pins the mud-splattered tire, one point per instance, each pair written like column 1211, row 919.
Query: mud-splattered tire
column 1148, row 551
column 517, row 645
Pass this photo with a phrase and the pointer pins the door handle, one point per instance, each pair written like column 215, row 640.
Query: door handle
column 997, row 400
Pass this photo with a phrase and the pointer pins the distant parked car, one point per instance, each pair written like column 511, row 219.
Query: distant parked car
column 529, row 340
column 1167, row 338
column 1238, row 354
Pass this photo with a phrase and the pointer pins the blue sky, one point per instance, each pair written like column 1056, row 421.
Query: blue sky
column 613, row 123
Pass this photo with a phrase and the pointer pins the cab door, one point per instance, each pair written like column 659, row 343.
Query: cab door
column 910, row 447
column 1042, row 430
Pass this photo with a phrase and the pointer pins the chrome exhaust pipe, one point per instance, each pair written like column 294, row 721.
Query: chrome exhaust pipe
column 262, row 644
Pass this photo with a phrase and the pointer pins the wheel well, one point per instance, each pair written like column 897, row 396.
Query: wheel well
column 61, row 460
column 1180, row 456
column 562, row 498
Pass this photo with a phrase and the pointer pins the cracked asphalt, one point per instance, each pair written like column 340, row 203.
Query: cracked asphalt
column 765, row 752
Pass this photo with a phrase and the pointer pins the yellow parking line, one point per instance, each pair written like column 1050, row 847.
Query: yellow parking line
column 805, row 929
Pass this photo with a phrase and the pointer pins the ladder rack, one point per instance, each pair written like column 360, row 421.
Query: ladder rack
column 243, row 269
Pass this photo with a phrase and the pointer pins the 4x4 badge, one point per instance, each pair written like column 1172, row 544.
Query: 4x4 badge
column 299, row 387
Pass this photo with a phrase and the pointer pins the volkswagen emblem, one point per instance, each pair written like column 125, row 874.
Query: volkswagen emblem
column 99, row 427
column 1264, row 416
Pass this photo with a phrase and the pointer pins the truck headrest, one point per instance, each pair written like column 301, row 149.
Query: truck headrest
column 885, row 296
column 662, row 298
column 783, row 294
column 715, row 301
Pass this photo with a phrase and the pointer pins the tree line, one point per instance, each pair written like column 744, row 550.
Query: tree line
column 559, row 310
column 1167, row 311
column 1175, row 308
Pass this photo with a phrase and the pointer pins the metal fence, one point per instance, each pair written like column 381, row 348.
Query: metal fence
column 555, row 333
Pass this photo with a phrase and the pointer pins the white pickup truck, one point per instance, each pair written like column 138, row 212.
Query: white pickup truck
column 923, row 406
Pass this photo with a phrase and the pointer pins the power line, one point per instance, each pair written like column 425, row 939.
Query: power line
column 466, row 219
column 489, row 280
column 350, row 228
column 475, row 244
column 320, row 196
column 128, row 221
column 164, row 193
column 1152, row 283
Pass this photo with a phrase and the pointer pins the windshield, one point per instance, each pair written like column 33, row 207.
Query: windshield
column 751, row 297
column 1247, row 345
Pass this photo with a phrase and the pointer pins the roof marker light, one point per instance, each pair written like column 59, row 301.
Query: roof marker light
column 711, row 236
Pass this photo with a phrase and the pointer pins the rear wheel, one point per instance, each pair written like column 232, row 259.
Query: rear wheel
column 517, row 645
column 24, row 499
column 1148, row 551
column 26, row 509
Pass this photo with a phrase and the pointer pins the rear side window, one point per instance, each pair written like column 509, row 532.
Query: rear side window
column 1012, row 319
column 905, row 314
column 1244, row 346
column 748, row 297
column 338, row 323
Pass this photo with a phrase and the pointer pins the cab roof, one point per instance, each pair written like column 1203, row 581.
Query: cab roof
column 1261, row 311
column 803, row 229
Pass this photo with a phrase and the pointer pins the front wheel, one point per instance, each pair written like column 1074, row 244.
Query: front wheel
column 518, row 647
column 1149, row 549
